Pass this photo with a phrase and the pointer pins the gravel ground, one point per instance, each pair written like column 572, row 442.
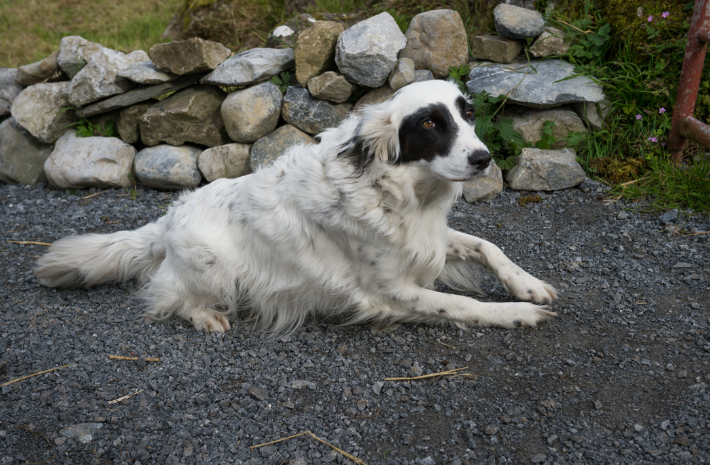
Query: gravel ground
column 619, row 377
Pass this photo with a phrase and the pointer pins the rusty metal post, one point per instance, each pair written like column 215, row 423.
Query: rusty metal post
column 689, row 80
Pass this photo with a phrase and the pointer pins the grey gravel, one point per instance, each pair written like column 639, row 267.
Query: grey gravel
column 625, row 334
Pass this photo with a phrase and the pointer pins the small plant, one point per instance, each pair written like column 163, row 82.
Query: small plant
column 503, row 141
column 547, row 141
column 458, row 74
column 85, row 128
column 282, row 80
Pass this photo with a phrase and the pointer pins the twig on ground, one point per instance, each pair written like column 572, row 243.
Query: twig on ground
column 29, row 242
column 345, row 454
column 121, row 357
column 444, row 344
column 34, row 374
column 18, row 301
column 125, row 397
column 29, row 429
column 455, row 371
column 93, row 195
column 631, row 182
column 574, row 27
column 697, row 233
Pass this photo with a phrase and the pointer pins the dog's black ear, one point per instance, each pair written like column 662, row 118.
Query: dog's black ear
column 374, row 140
column 358, row 151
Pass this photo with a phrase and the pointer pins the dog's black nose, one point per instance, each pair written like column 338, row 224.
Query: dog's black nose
column 479, row 159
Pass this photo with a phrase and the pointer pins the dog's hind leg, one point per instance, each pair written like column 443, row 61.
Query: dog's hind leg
column 462, row 247
column 167, row 294
column 420, row 305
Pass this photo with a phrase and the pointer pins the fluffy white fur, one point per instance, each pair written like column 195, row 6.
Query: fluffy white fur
column 316, row 232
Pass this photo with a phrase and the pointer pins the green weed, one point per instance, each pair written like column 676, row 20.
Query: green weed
column 458, row 75
column 282, row 80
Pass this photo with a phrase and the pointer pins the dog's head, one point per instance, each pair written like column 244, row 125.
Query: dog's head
column 429, row 123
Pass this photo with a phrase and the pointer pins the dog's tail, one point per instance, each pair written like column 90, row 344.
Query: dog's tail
column 460, row 276
column 84, row 261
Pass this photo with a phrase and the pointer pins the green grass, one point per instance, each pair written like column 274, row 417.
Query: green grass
column 30, row 30
column 670, row 186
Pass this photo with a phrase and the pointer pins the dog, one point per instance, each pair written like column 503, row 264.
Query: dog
column 355, row 225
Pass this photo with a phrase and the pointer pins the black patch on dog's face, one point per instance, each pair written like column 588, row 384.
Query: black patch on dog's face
column 417, row 141
column 465, row 109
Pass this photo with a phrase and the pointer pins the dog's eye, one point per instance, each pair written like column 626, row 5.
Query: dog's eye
column 469, row 113
column 428, row 124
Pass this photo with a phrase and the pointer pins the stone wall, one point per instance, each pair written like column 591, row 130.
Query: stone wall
column 191, row 110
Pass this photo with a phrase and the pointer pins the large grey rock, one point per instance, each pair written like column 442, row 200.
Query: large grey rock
column 9, row 89
column 484, row 188
column 145, row 72
column 537, row 85
column 513, row 22
column 495, row 48
column 528, row 122
column 168, row 167
column 436, row 40
column 331, row 86
column 78, row 162
column 270, row 147
column 402, row 74
column 74, row 54
column 138, row 95
column 593, row 114
column 191, row 115
column 189, row 56
column 39, row 108
column 128, row 126
column 310, row 114
column 252, row 113
column 225, row 161
column 375, row 96
column 22, row 156
column 99, row 78
column 545, row 170
column 315, row 50
column 367, row 52
column 40, row 71
column 550, row 42
column 246, row 68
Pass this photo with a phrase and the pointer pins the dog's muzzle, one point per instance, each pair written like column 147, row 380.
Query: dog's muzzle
column 479, row 159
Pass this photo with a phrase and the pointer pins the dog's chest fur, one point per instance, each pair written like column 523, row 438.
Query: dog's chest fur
column 390, row 224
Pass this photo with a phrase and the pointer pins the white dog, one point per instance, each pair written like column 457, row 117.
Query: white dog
column 354, row 225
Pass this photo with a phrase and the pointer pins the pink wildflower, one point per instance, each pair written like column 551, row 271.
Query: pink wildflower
column 662, row 110
column 665, row 14
column 639, row 116
column 650, row 18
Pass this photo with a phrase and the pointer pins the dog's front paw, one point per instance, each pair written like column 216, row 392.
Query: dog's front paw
column 524, row 314
column 208, row 320
column 528, row 288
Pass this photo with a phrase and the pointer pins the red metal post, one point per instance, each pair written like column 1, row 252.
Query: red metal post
column 690, row 82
